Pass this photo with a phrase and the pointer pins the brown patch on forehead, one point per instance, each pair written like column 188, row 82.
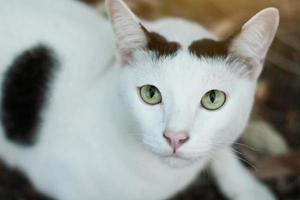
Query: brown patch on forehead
column 159, row 44
column 210, row 48
column 213, row 48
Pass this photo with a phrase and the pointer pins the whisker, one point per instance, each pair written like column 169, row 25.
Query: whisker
column 247, row 146
column 237, row 143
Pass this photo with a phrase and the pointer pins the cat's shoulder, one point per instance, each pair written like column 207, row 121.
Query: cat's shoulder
column 71, row 29
column 60, row 11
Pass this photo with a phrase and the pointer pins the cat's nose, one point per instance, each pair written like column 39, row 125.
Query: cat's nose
column 176, row 139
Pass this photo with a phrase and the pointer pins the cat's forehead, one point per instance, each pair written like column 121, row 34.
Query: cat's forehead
column 167, row 36
column 179, row 30
column 185, row 70
column 179, row 43
column 181, row 55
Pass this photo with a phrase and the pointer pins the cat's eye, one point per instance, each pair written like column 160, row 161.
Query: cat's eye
column 213, row 100
column 150, row 94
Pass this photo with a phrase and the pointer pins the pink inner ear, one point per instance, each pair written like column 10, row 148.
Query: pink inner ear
column 126, row 56
column 253, row 42
column 251, row 67
column 129, row 36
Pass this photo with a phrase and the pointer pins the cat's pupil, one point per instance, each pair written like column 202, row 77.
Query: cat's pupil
column 212, row 96
column 151, row 92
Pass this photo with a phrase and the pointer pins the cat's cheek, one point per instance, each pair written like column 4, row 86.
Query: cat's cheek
column 149, row 118
column 212, row 131
column 152, row 125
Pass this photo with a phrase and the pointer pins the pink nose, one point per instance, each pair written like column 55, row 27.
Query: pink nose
column 176, row 139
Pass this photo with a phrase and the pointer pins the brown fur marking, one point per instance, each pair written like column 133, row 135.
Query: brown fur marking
column 159, row 44
column 210, row 48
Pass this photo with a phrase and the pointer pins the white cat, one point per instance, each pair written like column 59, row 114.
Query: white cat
column 84, row 124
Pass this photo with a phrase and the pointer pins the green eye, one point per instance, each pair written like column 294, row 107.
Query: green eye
column 213, row 100
column 150, row 94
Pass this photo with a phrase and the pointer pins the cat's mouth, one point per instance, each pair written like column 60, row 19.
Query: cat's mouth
column 177, row 161
column 175, row 158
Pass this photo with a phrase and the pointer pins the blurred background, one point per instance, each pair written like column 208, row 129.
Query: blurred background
column 270, row 146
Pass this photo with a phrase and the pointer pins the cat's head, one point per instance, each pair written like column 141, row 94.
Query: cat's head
column 189, row 96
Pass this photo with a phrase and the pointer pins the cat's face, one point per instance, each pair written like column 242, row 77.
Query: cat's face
column 183, row 81
column 189, row 100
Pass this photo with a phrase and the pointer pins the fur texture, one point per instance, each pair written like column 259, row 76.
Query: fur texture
column 97, row 139
column 24, row 93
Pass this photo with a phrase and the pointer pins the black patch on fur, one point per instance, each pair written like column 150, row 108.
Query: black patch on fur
column 15, row 186
column 24, row 92
column 159, row 44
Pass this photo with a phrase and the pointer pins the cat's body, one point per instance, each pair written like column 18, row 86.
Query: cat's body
column 88, row 144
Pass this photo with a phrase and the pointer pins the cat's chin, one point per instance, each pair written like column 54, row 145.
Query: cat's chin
column 178, row 160
column 175, row 161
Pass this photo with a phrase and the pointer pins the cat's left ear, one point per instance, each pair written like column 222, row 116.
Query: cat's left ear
column 255, row 38
column 127, row 27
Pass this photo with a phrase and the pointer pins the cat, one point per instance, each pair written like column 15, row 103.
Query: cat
column 125, row 109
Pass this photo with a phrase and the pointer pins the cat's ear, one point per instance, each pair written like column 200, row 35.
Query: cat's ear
column 127, row 27
column 255, row 38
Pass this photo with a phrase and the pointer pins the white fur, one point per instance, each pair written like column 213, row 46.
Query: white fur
column 98, row 140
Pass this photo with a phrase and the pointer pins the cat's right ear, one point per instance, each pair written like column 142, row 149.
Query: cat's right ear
column 127, row 27
column 255, row 38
